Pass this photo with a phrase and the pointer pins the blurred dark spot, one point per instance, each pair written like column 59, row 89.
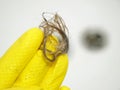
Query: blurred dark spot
column 94, row 38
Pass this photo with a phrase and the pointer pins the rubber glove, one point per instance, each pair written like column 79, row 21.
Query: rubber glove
column 24, row 67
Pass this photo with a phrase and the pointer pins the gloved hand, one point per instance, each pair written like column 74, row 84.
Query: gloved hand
column 24, row 67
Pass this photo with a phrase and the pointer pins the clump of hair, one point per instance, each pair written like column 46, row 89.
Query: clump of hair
column 54, row 26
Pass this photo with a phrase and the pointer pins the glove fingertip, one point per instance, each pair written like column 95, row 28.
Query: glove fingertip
column 64, row 88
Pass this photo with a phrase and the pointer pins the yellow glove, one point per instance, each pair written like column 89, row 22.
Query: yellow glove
column 24, row 67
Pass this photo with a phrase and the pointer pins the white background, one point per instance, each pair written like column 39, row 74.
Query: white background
column 88, row 70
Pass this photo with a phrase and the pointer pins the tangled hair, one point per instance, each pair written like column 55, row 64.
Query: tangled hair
column 54, row 26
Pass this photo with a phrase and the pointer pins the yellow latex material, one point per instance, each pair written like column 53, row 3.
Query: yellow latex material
column 34, row 88
column 18, row 55
column 24, row 67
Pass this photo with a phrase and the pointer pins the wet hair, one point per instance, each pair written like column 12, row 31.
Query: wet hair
column 54, row 26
